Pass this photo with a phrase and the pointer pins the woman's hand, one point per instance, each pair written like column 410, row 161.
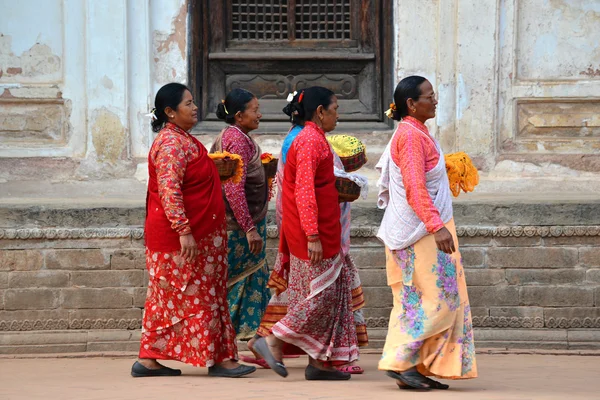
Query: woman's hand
column 189, row 248
column 255, row 242
column 315, row 251
column 444, row 241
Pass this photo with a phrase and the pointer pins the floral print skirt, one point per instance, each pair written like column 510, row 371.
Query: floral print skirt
column 186, row 316
column 430, row 325
column 278, row 306
column 248, row 294
column 319, row 318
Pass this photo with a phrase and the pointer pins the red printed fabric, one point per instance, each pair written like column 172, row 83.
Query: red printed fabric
column 322, row 326
column 184, row 190
column 186, row 317
column 237, row 142
column 414, row 152
column 308, row 195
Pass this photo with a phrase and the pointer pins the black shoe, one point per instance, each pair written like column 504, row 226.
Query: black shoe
column 241, row 370
column 139, row 371
column 316, row 374
column 262, row 347
column 412, row 379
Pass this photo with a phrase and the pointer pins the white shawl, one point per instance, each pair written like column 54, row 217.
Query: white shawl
column 400, row 226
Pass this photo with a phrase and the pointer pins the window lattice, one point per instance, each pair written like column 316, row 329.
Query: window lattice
column 323, row 19
column 260, row 20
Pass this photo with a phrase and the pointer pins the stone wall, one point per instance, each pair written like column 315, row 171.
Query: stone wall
column 72, row 280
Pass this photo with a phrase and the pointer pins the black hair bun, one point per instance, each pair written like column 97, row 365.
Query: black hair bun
column 221, row 112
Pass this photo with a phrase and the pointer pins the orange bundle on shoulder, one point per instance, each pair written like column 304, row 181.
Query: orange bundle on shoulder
column 462, row 174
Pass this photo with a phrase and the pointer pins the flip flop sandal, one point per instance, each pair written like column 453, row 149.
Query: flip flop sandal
column 437, row 385
column 351, row 369
column 432, row 384
column 315, row 374
column 262, row 347
column 413, row 379
column 258, row 361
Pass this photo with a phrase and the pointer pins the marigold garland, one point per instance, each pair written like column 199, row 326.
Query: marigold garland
column 239, row 170
column 462, row 174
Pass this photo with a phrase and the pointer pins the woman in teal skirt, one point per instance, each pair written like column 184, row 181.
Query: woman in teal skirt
column 246, row 205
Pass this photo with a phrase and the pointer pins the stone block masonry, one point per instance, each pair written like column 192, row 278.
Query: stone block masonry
column 67, row 286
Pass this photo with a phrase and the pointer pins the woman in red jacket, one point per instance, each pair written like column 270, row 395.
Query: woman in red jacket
column 185, row 316
column 319, row 318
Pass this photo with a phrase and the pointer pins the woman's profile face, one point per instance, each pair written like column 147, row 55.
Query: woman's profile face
column 330, row 115
column 186, row 114
column 249, row 119
column 425, row 105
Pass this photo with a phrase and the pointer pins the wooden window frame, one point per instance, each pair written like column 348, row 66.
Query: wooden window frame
column 198, row 61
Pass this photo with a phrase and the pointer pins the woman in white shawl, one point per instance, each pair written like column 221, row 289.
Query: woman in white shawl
column 430, row 331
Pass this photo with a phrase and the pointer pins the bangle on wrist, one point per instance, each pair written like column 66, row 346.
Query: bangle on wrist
column 312, row 239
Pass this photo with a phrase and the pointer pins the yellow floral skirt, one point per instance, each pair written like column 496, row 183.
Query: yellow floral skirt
column 430, row 325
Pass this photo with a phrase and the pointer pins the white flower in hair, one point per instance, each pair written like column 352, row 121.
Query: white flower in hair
column 291, row 96
column 152, row 115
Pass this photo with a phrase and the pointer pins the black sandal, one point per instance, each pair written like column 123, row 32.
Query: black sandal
column 315, row 374
column 139, row 371
column 413, row 379
column 432, row 384
column 437, row 385
column 262, row 348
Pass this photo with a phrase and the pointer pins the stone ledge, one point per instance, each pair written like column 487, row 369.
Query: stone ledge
column 364, row 231
column 493, row 211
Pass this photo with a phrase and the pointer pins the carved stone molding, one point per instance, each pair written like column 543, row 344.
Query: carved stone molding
column 573, row 322
column 361, row 231
column 513, row 322
column 74, row 233
column 63, row 324
column 508, row 322
column 372, row 322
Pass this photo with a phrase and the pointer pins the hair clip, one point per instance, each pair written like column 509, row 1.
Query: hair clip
column 390, row 112
column 291, row 96
column 152, row 115
column 223, row 102
column 301, row 97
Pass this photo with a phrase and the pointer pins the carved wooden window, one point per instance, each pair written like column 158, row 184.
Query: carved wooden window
column 273, row 47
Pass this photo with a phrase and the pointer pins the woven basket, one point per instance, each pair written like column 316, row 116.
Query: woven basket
column 348, row 191
column 271, row 168
column 354, row 162
column 226, row 167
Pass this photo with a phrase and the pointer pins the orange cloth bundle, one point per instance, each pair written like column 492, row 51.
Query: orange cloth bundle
column 462, row 174
column 225, row 165
column 270, row 164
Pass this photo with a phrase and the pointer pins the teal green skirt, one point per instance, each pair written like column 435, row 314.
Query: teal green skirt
column 248, row 295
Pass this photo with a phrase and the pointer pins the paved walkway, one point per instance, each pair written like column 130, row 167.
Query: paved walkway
column 503, row 377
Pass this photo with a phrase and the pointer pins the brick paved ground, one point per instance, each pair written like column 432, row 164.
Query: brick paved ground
column 503, row 377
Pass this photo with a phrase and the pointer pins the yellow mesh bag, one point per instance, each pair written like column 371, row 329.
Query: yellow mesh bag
column 346, row 145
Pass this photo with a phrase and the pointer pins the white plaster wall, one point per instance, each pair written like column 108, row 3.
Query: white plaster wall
column 483, row 56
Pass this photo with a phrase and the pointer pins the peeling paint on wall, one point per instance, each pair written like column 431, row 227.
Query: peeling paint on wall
column 108, row 136
column 170, row 49
column 36, row 62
